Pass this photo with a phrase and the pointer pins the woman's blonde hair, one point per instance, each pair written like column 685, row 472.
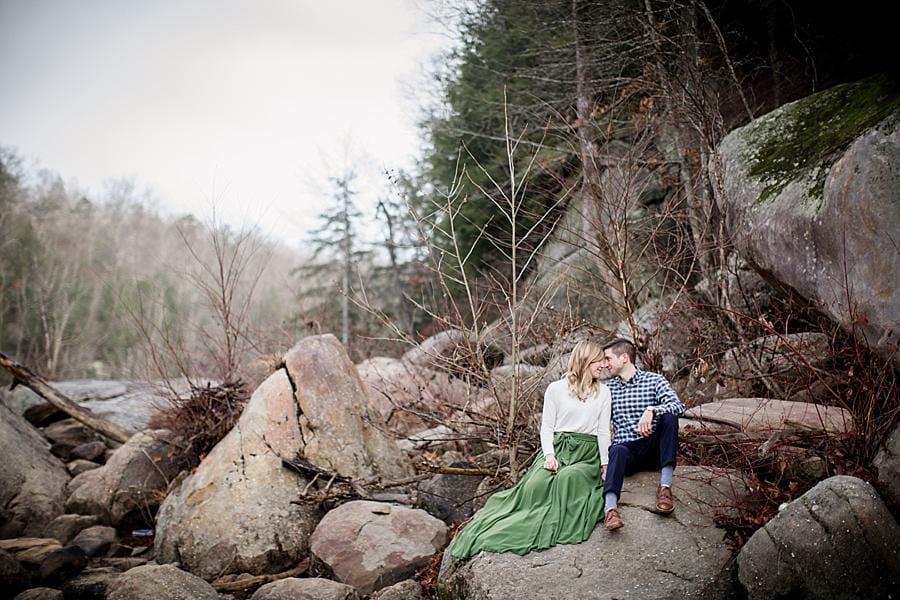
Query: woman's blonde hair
column 581, row 383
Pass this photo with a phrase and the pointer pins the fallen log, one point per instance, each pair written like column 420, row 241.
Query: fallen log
column 24, row 375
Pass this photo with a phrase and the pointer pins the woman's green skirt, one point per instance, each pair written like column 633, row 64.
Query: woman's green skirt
column 545, row 508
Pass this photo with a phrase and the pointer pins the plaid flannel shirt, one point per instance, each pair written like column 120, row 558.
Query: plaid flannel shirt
column 631, row 399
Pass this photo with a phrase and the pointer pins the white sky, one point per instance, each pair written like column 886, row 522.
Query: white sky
column 237, row 103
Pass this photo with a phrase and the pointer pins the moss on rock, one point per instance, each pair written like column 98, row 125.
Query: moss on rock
column 793, row 141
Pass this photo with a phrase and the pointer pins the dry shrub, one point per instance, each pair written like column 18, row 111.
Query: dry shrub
column 204, row 417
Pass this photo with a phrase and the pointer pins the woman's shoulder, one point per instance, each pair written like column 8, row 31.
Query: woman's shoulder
column 558, row 386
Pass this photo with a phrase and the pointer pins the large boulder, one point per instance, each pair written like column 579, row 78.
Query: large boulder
column 131, row 483
column 32, row 481
column 812, row 188
column 128, row 404
column 455, row 351
column 838, row 540
column 766, row 414
column 159, row 582
column 887, row 462
column 791, row 361
column 400, row 391
column 370, row 545
column 307, row 588
column 238, row 512
column 680, row 556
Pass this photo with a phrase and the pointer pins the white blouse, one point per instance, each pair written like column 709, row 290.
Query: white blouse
column 563, row 411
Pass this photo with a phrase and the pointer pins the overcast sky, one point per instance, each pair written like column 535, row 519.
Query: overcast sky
column 237, row 103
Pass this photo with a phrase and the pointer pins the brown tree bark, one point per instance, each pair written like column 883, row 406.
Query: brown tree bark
column 39, row 385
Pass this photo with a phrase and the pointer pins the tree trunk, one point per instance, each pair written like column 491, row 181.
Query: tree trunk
column 23, row 374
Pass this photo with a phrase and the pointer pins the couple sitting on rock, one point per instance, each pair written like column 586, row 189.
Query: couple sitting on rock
column 578, row 473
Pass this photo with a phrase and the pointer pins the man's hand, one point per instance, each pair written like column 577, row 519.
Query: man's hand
column 645, row 425
column 603, row 472
column 550, row 463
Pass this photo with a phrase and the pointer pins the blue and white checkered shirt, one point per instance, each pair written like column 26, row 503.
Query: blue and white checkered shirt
column 631, row 399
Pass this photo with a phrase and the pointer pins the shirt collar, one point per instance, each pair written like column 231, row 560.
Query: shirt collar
column 638, row 374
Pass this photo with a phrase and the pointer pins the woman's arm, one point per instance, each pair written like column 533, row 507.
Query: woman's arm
column 548, row 427
column 603, row 436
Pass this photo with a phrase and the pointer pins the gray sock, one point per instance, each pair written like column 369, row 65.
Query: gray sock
column 611, row 500
column 665, row 475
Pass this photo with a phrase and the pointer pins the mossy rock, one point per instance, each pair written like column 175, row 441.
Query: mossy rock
column 800, row 139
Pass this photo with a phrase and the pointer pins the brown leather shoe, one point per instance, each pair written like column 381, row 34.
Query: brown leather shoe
column 664, row 503
column 613, row 520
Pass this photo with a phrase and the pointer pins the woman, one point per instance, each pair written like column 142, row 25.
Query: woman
column 560, row 499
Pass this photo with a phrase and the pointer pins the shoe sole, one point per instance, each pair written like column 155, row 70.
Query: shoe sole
column 613, row 528
column 660, row 511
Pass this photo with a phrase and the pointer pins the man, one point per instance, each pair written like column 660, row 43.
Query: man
column 645, row 411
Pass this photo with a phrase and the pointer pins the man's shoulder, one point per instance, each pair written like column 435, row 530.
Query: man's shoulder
column 652, row 377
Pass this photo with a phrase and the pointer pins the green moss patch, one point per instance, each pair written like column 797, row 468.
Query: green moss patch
column 801, row 136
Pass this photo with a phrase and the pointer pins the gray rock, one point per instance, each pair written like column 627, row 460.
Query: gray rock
column 32, row 481
column 79, row 466
column 370, row 545
column 40, row 593
column 43, row 414
column 405, row 590
column 681, row 556
column 132, row 481
column 29, row 550
column 23, row 398
column 454, row 351
column 399, row 391
column 159, row 582
column 63, row 564
column 311, row 588
column 90, row 584
column 789, row 358
column 235, row 513
column 94, row 540
column 70, row 431
column 450, row 497
column 804, row 217
column 766, row 414
column 838, row 540
column 13, row 576
column 887, row 462
column 65, row 527
column 89, row 451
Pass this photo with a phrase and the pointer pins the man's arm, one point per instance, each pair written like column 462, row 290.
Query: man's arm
column 667, row 402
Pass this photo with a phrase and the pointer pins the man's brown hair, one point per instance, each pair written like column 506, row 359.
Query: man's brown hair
column 620, row 346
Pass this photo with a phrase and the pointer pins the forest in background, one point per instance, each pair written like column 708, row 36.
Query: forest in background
column 533, row 104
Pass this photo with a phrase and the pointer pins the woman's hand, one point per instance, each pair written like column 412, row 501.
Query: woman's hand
column 550, row 463
column 603, row 472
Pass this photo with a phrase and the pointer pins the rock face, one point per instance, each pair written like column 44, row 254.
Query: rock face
column 32, row 481
column 450, row 498
column 309, row 588
column 887, row 461
column 652, row 557
column 838, row 540
column 235, row 513
column 129, row 404
column 370, row 545
column 133, row 479
column 159, row 582
column 766, row 414
column 394, row 385
column 784, row 357
column 454, row 351
column 812, row 188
